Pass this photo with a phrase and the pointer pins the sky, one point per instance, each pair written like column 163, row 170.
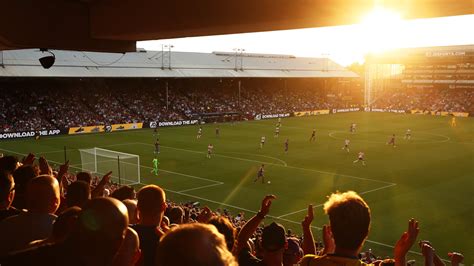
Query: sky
column 380, row 31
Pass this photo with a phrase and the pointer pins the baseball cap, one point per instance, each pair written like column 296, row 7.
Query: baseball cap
column 273, row 237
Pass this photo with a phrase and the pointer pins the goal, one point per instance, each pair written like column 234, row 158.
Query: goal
column 125, row 167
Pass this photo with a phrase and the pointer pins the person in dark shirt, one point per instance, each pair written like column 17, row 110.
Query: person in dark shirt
column 157, row 146
column 151, row 207
column 260, row 174
column 313, row 136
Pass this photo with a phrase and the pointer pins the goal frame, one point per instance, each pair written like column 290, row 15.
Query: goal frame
column 94, row 151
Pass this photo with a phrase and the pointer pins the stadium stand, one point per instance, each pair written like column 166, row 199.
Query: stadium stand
column 43, row 105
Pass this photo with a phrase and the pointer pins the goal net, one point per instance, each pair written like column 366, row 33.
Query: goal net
column 125, row 167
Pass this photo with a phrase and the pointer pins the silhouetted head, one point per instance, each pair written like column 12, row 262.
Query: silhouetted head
column 349, row 217
column 42, row 194
column 194, row 244
column 101, row 229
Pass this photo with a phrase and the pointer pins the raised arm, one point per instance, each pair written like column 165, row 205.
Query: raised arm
column 436, row 259
column 456, row 258
column 405, row 242
column 308, row 240
column 428, row 254
column 99, row 189
column 328, row 240
column 45, row 169
column 249, row 228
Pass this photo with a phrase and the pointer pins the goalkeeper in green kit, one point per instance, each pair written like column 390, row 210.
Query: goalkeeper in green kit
column 155, row 166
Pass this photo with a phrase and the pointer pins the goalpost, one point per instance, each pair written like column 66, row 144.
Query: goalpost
column 125, row 167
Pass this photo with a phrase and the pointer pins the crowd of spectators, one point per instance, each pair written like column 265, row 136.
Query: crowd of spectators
column 99, row 103
column 53, row 217
column 426, row 99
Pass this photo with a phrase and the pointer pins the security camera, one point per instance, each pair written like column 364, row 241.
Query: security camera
column 47, row 61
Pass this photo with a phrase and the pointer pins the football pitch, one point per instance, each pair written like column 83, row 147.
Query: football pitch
column 430, row 177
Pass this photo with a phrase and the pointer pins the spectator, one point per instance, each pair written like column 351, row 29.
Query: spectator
column 78, row 193
column 42, row 202
column 349, row 218
column 273, row 239
column 176, row 215
column 123, row 193
column 62, row 227
column 293, row 253
column 95, row 240
column 8, row 164
column 129, row 251
column 84, row 176
column 7, row 194
column 21, row 176
column 132, row 210
column 151, row 207
column 225, row 227
column 194, row 244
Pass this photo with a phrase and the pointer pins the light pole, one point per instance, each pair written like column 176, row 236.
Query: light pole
column 168, row 47
column 238, row 52
column 169, row 55
column 242, row 59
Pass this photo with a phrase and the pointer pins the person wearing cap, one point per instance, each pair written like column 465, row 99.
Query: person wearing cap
column 273, row 239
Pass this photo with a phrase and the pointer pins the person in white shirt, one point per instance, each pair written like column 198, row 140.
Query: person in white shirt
column 346, row 145
column 360, row 158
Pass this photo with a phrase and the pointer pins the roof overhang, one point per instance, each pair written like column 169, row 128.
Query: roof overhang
column 116, row 25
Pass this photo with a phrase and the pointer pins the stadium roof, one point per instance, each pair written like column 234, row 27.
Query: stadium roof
column 457, row 54
column 24, row 63
column 115, row 25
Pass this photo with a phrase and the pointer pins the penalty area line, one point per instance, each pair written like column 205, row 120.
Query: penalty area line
column 319, row 205
column 201, row 187
column 275, row 164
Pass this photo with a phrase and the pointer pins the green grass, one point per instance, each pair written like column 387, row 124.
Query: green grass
column 430, row 177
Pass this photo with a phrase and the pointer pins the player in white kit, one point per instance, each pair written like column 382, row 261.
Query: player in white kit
column 360, row 158
column 346, row 145
column 408, row 134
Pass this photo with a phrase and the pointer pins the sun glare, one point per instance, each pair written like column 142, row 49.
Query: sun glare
column 381, row 30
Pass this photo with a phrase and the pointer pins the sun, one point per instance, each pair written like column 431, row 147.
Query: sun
column 381, row 30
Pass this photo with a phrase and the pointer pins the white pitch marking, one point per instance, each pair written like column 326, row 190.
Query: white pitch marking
column 269, row 157
column 446, row 138
column 201, row 187
column 319, row 205
column 294, row 167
